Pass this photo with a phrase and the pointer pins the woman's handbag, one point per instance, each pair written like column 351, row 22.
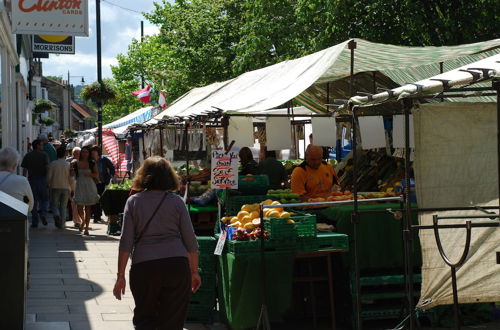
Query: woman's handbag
column 139, row 236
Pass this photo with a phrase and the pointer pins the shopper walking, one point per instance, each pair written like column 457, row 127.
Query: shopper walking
column 75, row 155
column 35, row 163
column 106, row 171
column 59, row 180
column 86, row 190
column 157, row 227
column 48, row 147
column 10, row 183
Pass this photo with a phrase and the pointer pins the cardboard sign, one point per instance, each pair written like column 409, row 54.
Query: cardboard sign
column 224, row 169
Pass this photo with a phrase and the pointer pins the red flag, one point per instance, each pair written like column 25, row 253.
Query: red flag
column 143, row 94
column 162, row 102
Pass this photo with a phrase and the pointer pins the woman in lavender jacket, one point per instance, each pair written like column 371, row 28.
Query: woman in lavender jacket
column 164, row 268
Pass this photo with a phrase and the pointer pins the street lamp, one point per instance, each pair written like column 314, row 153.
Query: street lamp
column 70, row 98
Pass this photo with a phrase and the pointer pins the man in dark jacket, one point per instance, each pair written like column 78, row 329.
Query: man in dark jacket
column 106, row 173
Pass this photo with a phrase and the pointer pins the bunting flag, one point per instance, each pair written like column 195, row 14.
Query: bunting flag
column 143, row 94
column 162, row 101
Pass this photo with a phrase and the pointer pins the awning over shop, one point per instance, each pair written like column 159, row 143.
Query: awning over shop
column 272, row 86
column 485, row 69
column 121, row 124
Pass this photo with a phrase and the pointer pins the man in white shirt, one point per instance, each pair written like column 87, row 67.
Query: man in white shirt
column 59, row 180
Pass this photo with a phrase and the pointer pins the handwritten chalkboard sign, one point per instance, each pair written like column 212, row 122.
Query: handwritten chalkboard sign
column 224, row 169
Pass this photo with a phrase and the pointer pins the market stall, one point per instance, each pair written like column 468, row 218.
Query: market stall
column 252, row 95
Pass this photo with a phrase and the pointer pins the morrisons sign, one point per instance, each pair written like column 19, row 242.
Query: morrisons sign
column 54, row 44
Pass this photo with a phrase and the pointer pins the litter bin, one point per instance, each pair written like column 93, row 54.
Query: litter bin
column 13, row 259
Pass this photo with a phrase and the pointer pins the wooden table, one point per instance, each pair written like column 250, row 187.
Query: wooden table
column 311, row 279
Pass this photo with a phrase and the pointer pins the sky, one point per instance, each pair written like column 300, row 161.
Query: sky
column 118, row 28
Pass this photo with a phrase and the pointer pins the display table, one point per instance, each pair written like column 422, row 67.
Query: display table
column 239, row 283
column 240, row 287
column 380, row 244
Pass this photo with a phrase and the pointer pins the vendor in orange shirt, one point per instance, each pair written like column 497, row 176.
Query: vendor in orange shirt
column 314, row 177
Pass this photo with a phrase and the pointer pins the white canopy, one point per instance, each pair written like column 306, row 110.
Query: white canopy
column 272, row 86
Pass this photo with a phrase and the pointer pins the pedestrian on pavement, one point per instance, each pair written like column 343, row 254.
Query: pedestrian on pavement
column 48, row 147
column 106, row 171
column 35, row 163
column 10, row 183
column 75, row 155
column 59, row 180
column 158, row 229
column 86, row 191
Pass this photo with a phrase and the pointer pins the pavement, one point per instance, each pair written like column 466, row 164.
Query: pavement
column 72, row 278
column 71, row 282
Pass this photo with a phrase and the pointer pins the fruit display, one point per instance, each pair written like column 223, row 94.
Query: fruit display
column 347, row 195
column 196, row 188
column 376, row 171
column 248, row 219
column 284, row 196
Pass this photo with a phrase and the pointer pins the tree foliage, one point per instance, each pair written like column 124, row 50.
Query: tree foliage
column 204, row 41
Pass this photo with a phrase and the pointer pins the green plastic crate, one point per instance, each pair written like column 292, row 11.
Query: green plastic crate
column 200, row 314
column 253, row 247
column 304, row 226
column 253, row 184
column 234, row 203
column 206, row 244
column 323, row 241
column 279, row 229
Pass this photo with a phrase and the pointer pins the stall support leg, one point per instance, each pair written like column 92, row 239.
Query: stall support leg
column 407, row 231
column 496, row 86
column 264, row 316
column 358, row 324
column 330, row 290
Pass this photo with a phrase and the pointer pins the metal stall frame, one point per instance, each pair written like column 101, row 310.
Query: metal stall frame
column 408, row 227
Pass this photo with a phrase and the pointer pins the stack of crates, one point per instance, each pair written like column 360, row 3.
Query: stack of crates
column 202, row 304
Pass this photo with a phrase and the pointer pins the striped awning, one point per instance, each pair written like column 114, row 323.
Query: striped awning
column 482, row 70
column 111, row 145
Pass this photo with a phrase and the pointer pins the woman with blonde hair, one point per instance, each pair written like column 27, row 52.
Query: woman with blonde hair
column 158, row 229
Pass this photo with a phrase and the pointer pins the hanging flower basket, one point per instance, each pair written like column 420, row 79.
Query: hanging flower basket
column 98, row 93
column 47, row 121
column 43, row 105
column 69, row 133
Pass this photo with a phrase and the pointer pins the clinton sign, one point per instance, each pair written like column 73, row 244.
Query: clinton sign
column 52, row 17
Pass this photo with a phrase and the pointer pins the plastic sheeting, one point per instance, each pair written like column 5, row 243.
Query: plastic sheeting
column 278, row 133
column 456, row 165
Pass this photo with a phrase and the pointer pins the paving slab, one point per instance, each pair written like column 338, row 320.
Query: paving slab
column 72, row 278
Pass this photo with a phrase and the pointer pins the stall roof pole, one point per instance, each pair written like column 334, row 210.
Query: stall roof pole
column 355, row 223
column 407, row 231
column 496, row 86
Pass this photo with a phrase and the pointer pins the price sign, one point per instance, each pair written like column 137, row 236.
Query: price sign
column 224, row 169
column 220, row 243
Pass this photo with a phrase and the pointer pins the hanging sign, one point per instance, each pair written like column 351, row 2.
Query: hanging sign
column 224, row 169
column 53, row 17
column 53, row 44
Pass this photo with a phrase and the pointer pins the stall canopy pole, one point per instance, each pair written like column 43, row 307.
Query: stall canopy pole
column 355, row 221
column 407, row 231
column 496, row 86
column 186, row 146
column 161, row 142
